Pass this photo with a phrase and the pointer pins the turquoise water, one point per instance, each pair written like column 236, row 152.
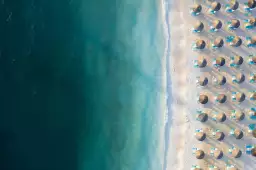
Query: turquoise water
column 80, row 85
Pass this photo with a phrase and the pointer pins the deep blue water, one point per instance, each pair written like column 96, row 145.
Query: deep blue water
column 80, row 84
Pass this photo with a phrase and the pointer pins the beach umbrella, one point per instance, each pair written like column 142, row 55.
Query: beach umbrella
column 254, row 133
column 236, row 153
column 219, row 61
column 252, row 78
column 238, row 134
column 200, row 44
column 252, row 60
column 203, row 99
column 218, row 154
column 238, row 78
column 220, row 80
column 236, row 41
column 197, row 8
column 220, row 117
column 199, row 26
column 235, row 23
column 202, row 117
column 253, row 152
column 218, row 42
column 202, row 62
column 252, row 21
column 251, row 4
column 239, row 115
column 238, row 60
column 221, row 98
column 252, row 113
column 199, row 154
column 200, row 136
column 253, row 95
column 251, row 41
column 234, row 4
column 203, row 81
column 215, row 6
column 217, row 24
column 240, row 97
column 219, row 136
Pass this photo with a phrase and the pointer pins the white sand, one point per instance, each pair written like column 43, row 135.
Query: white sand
column 185, row 92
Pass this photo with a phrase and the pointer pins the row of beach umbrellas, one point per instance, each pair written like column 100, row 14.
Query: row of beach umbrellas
column 233, row 41
column 215, row 6
column 217, row 25
column 221, row 80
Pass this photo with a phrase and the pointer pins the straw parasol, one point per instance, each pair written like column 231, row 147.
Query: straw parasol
column 240, row 77
column 253, row 152
column 218, row 154
column 217, row 24
column 203, row 81
column 200, row 44
column 220, row 61
column 202, row 117
column 221, row 98
column 251, row 4
column 220, row 136
column 199, row 26
column 240, row 97
column 218, row 42
column 254, row 133
column 199, row 154
column 221, row 117
column 200, row 136
column 236, row 42
column 236, row 153
column 234, row 4
column 235, row 23
column 239, row 115
column 253, row 95
column 202, row 62
column 197, row 8
column 252, row 21
column 238, row 60
column 215, row 6
column 203, row 99
column 238, row 134
column 220, row 80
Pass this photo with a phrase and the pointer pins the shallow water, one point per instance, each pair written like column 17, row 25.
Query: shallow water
column 80, row 84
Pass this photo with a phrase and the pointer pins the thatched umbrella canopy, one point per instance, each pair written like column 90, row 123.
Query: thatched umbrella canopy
column 239, row 115
column 236, row 42
column 199, row 154
column 221, row 98
column 220, row 80
column 197, row 8
column 203, row 99
column 218, row 42
column 235, row 23
column 219, row 61
column 239, row 77
column 219, row 136
column 252, row 78
column 238, row 134
column 202, row 117
column 251, row 4
column 200, row 44
column 221, row 117
column 252, row 95
column 199, row 26
column 238, row 60
column 252, row 21
column 240, row 97
column 217, row 24
column 236, row 153
column 218, row 154
column 202, row 62
column 253, row 152
column 215, row 6
column 203, row 81
column 254, row 133
column 200, row 136
column 234, row 4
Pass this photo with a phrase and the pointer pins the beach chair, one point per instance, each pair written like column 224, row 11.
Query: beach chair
column 249, row 148
column 252, row 113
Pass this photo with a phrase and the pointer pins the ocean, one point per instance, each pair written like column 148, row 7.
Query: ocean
column 81, row 85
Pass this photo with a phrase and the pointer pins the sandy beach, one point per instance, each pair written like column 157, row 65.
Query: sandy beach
column 185, row 91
